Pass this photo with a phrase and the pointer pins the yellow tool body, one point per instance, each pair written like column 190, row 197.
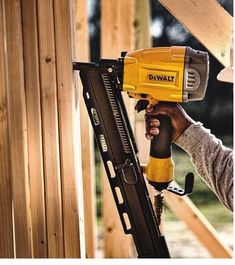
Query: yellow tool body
column 160, row 170
column 170, row 74
column 155, row 74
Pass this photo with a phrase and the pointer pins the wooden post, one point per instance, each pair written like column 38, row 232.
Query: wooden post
column 66, row 108
column 33, row 107
column 208, row 21
column 82, row 54
column 38, row 144
column 116, row 36
column 6, row 225
column 142, row 24
column 142, row 40
column 50, row 129
column 17, row 129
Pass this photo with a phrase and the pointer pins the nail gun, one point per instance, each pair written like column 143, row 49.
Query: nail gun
column 172, row 74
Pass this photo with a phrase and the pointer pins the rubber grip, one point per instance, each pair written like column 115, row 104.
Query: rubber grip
column 161, row 144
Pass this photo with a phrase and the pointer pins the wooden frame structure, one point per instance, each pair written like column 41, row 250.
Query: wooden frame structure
column 47, row 188
column 38, row 102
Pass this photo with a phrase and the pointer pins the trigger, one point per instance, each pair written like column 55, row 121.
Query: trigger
column 141, row 105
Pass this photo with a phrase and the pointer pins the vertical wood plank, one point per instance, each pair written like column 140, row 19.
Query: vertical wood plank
column 208, row 21
column 82, row 54
column 33, row 106
column 50, row 129
column 142, row 24
column 116, row 36
column 18, row 129
column 143, row 40
column 66, row 108
column 6, row 225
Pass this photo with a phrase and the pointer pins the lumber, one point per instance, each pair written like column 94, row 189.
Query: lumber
column 116, row 36
column 51, row 156
column 82, row 54
column 142, row 24
column 33, row 106
column 66, row 110
column 17, row 130
column 142, row 142
column 6, row 224
column 143, row 40
column 208, row 22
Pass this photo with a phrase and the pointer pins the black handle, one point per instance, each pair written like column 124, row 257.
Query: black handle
column 161, row 144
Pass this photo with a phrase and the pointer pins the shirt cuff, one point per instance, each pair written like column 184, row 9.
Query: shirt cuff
column 192, row 137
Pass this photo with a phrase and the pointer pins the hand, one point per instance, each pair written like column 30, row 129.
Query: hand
column 179, row 119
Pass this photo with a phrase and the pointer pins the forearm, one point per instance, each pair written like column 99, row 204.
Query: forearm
column 212, row 160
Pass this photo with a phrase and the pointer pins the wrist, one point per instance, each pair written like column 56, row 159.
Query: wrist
column 188, row 123
column 185, row 125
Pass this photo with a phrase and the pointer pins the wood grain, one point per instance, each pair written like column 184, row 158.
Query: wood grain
column 142, row 24
column 66, row 110
column 18, row 129
column 116, row 36
column 81, row 39
column 208, row 22
column 6, row 225
column 51, row 153
column 33, row 107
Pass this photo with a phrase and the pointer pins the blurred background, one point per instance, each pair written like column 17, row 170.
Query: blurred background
column 215, row 112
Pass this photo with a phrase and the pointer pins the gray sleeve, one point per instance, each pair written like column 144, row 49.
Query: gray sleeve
column 212, row 160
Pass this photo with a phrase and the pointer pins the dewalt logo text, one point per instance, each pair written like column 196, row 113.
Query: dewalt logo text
column 164, row 78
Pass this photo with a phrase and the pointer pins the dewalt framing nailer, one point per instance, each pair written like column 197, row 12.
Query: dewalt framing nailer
column 172, row 74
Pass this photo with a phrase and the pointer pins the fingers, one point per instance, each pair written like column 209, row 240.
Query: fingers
column 152, row 121
column 151, row 133
column 161, row 108
column 154, row 131
column 148, row 136
column 152, row 125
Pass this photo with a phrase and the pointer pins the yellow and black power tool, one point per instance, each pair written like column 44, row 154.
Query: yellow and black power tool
column 170, row 74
